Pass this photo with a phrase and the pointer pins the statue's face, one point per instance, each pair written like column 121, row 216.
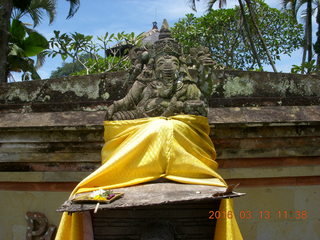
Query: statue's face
column 167, row 67
column 166, row 70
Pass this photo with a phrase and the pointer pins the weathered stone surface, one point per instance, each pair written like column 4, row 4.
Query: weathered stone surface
column 151, row 194
column 88, row 93
column 68, row 119
column 39, row 227
column 265, row 115
column 264, row 84
column 96, row 92
column 297, row 115
column 265, row 127
column 72, row 141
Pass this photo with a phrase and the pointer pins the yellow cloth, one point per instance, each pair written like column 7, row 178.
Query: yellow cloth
column 136, row 151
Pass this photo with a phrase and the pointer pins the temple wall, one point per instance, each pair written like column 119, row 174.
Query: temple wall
column 95, row 92
column 15, row 205
column 265, row 127
column 253, row 212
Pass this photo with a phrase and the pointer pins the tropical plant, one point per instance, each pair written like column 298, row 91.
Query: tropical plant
column 24, row 44
column 22, row 6
column 316, row 46
column 222, row 31
column 66, row 69
column 311, row 67
column 36, row 10
column 99, row 55
column 248, row 29
column 306, row 8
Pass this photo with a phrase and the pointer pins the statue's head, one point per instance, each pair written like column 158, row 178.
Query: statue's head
column 166, row 68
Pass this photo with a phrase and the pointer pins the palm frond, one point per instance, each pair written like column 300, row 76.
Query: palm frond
column 299, row 4
column 36, row 10
column 222, row 3
column 304, row 14
column 36, row 16
column 210, row 4
column 295, row 6
column 41, row 59
column 38, row 7
column 291, row 5
column 192, row 4
column 74, row 6
column 288, row 3
column 22, row 5
column 16, row 13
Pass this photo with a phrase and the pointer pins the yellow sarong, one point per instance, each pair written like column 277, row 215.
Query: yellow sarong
column 177, row 148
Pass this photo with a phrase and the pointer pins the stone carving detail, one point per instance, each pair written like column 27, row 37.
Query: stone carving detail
column 161, row 81
column 38, row 227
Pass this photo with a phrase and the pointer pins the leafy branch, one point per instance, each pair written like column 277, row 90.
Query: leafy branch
column 103, row 54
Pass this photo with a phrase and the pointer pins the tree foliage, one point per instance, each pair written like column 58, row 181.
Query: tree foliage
column 104, row 54
column 35, row 9
column 67, row 69
column 223, row 32
column 305, row 10
column 23, row 44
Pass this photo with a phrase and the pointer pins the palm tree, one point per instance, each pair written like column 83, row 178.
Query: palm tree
column 295, row 6
column 24, row 44
column 248, row 35
column 36, row 10
column 317, row 43
column 246, row 27
column 23, row 7
column 257, row 28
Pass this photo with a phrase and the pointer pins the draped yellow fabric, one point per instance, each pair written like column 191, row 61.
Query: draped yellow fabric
column 136, row 151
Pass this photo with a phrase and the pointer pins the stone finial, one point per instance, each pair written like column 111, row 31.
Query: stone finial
column 166, row 44
column 164, row 31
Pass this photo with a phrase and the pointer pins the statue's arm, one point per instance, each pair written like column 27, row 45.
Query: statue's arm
column 129, row 102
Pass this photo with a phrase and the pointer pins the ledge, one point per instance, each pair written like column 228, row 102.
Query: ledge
column 152, row 194
column 95, row 92
column 275, row 115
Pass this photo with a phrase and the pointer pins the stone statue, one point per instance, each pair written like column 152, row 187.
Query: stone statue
column 162, row 84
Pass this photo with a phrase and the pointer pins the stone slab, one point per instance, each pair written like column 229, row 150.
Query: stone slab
column 151, row 194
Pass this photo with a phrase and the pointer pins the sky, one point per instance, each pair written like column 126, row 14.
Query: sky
column 95, row 17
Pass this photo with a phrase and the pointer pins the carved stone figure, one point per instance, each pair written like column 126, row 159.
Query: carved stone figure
column 38, row 227
column 162, row 84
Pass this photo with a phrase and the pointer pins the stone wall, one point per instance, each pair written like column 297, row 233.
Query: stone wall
column 265, row 127
column 95, row 92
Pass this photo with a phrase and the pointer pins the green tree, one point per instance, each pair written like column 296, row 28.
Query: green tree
column 24, row 44
column 67, row 69
column 317, row 43
column 6, row 8
column 94, row 56
column 248, row 30
column 222, row 31
column 36, row 10
column 307, row 8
